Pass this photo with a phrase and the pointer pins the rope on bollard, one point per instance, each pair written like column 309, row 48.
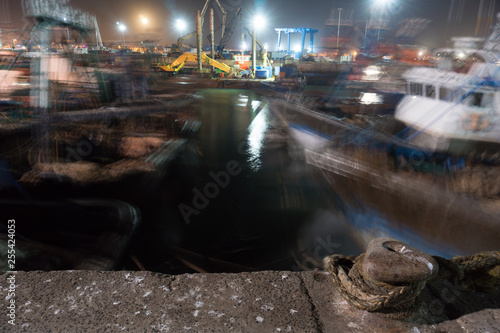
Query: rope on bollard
column 401, row 301
column 397, row 302
column 479, row 271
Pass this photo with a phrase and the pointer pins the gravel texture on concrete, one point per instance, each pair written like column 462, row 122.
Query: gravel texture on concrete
column 269, row 301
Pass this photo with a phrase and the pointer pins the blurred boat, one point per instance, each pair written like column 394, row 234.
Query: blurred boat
column 83, row 234
column 142, row 163
column 389, row 187
column 455, row 112
column 456, row 108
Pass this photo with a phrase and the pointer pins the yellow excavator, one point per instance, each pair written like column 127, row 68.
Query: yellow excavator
column 178, row 63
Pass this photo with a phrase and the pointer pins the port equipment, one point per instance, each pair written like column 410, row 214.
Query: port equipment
column 228, row 33
column 202, row 16
column 303, row 31
column 178, row 63
column 180, row 44
column 263, row 51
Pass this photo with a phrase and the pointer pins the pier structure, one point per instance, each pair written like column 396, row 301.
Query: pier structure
column 303, row 31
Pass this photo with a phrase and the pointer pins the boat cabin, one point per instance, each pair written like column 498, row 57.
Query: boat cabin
column 471, row 91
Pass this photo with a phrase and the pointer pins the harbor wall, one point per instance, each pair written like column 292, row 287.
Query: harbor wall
column 268, row 301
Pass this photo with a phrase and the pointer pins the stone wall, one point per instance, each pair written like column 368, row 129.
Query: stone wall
column 90, row 301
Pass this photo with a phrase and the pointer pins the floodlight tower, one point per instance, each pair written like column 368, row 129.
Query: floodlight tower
column 258, row 23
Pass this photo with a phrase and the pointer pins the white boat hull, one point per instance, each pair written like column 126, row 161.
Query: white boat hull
column 442, row 121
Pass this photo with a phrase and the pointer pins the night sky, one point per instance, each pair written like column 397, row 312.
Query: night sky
column 280, row 13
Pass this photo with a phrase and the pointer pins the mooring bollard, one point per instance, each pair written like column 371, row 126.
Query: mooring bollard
column 389, row 277
column 390, row 261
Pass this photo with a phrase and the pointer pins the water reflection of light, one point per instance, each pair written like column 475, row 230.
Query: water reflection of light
column 255, row 105
column 371, row 98
column 243, row 100
column 257, row 130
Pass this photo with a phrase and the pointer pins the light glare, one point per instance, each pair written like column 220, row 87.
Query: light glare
column 180, row 24
column 259, row 22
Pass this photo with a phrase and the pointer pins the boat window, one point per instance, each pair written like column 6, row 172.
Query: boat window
column 415, row 89
column 430, row 91
column 449, row 95
column 479, row 99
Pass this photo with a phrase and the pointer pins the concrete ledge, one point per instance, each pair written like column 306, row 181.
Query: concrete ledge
column 90, row 301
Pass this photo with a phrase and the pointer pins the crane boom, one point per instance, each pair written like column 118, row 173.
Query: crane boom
column 202, row 15
column 224, row 14
column 181, row 39
column 226, row 35
column 178, row 63
column 256, row 40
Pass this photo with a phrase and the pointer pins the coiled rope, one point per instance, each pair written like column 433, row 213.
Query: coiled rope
column 477, row 272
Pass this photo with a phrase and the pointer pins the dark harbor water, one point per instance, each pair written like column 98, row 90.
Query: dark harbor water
column 240, row 197
column 237, row 201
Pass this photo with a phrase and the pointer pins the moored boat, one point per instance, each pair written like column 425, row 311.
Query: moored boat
column 456, row 108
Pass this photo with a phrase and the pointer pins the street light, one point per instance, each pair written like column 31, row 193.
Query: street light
column 181, row 25
column 258, row 23
column 122, row 27
column 144, row 20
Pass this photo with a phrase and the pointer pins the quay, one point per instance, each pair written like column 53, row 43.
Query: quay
column 267, row 301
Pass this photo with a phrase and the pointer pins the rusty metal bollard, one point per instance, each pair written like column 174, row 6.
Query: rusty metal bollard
column 388, row 278
column 390, row 261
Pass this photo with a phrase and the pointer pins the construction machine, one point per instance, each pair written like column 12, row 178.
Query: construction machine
column 179, row 63
column 227, row 33
column 262, row 51
column 178, row 49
